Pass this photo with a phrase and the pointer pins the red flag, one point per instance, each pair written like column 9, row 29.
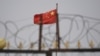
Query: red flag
column 47, row 17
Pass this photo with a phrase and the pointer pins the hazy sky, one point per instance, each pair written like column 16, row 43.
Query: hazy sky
column 18, row 9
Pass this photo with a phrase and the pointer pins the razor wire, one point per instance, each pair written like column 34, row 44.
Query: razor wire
column 71, row 17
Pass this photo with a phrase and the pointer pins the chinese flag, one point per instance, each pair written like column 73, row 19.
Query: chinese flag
column 47, row 17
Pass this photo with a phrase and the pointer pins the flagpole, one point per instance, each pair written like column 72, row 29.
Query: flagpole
column 40, row 32
column 57, row 28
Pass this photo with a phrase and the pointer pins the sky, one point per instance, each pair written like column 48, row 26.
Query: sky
column 17, row 9
column 18, row 15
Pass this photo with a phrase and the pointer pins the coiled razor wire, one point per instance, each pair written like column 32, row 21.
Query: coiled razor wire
column 85, row 20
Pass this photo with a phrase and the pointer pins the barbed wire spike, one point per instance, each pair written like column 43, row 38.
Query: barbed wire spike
column 31, row 45
column 20, row 46
column 79, row 44
column 55, row 44
column 91, row 44
column 43, row 46
column 66, row 44
column 8, row 45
